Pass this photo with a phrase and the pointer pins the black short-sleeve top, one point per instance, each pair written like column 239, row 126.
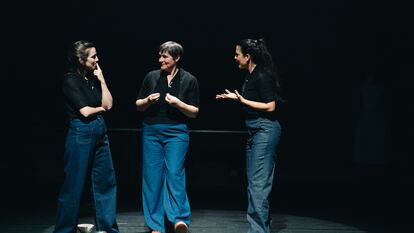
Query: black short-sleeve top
column 80, row 92
column 259, row 86
column 184, row 86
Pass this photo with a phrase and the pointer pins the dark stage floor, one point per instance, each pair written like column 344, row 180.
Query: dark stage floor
column 300, row 207
column 307, row 196
column 218, row 221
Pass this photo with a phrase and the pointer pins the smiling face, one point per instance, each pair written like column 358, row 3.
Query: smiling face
column 167, row 62
column 241, row 59
column 91, row 61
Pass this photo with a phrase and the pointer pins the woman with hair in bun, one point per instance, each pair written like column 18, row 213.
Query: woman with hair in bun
column 259, row 98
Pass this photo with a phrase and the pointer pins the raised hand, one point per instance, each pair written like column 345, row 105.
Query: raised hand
column 239, row 97
column 227, row 95
column 98, row 73
column 172, row 100
column 153, row 98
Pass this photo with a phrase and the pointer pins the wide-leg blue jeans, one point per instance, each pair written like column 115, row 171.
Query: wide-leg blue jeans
column 263, row 137
column 87, row 147
column 163, row 180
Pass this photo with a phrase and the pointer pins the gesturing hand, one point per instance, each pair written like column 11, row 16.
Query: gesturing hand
column 239, row 97
column 227, row 95
column 172, row 100
column 153, row 98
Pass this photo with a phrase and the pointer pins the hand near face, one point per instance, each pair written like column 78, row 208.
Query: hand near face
column 172, row 100
column 153, row 98
column 227, row 95
column 98, row 73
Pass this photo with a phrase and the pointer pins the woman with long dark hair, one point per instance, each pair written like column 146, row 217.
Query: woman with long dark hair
column 87, row 97
column 259, row 98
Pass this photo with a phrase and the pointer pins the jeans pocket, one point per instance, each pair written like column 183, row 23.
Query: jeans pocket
column 84, row 135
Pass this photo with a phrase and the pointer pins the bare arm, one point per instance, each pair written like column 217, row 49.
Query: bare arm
column 106, row 94
column 266, row 107
column 187, row 109
column 143, row 104
column 90, row 111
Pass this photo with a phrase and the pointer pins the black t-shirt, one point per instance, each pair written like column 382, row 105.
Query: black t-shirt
column 184, row 86
column 79, row 93
column 259, row 86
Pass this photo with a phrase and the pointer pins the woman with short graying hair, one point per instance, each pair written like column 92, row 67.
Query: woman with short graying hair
column 168, row 97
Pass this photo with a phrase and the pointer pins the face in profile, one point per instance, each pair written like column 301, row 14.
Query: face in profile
column 167, row 62
column 242, row 60
column 91, row 61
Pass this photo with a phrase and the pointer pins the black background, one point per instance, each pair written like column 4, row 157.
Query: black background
column 324, row 52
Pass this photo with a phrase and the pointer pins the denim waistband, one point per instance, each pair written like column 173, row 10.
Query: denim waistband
column 87, row 121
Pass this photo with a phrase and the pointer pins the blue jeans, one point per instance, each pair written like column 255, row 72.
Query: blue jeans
column 163, row 180
column 87, row 147
column 263, row 137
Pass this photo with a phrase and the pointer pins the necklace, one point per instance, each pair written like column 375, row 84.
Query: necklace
column 170, row 83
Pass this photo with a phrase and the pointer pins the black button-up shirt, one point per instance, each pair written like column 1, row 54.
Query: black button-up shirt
column 183, row 86
column 79, row 93
column 259, row 86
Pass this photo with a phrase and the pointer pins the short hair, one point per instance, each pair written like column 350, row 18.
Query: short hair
column 172, row 48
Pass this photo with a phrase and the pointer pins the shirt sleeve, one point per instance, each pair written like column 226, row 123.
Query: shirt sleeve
column 144, row 90
column 193, row 93
column 266, row 87
column 72, row 91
